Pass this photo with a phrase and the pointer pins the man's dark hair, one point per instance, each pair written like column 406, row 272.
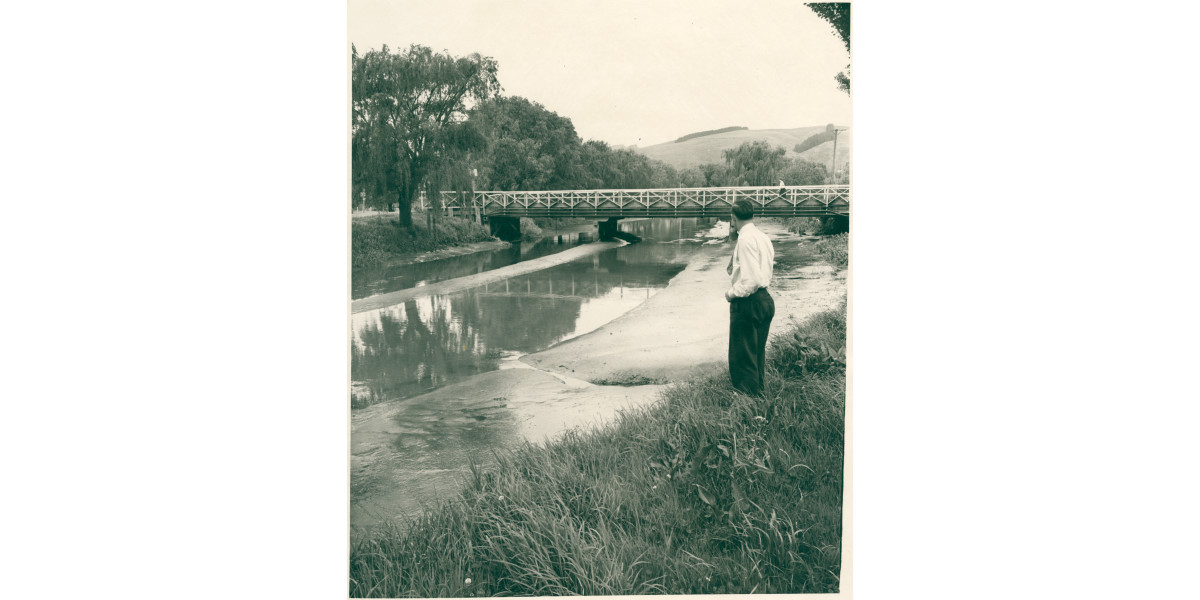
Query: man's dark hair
column 743, row 210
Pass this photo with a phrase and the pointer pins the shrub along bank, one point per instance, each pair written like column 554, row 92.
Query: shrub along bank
column 530, row 230
column 818, row 225
column 373, row 242
column 706, row 491
column 835, row 249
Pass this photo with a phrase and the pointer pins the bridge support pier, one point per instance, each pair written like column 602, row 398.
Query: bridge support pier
column 608, row 229
column 505, row 228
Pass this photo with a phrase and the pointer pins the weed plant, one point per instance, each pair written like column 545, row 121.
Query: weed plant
column 530, row 230
column 374, row 242
column 628, row 379
column 835, row 249
column 803, row 225
column 818, row 226
column 707, row 491
column 834, row 225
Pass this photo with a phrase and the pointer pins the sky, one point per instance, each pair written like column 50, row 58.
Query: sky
column 635, row 72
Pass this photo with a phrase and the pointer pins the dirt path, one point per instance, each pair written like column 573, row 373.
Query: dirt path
column 684, row 329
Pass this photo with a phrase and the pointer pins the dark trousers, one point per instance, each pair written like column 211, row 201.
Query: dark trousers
column 749, row 322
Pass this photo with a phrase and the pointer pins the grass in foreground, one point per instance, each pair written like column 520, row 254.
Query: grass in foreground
column 704, row 492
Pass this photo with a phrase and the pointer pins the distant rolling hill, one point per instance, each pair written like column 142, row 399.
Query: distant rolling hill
column 710, row 148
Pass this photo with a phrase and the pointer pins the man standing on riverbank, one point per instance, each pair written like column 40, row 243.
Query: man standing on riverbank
column 751, row 307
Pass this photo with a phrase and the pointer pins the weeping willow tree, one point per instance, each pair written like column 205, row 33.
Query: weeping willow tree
column 408, row 118
column 451, row 166
column 754, row 163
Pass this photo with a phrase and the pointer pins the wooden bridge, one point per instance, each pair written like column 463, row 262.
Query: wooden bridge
column 503, row 210
column 786, row 201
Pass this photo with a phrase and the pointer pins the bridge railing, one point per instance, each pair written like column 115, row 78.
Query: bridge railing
column 810, row 200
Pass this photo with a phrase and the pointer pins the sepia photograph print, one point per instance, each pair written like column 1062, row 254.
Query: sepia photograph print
column 607, row 298
column 599, row 297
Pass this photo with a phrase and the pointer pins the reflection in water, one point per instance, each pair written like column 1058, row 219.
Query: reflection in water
column 408, row 349
column 410, row 454
column 369, row 282
column 665, row 230
column 381, row 280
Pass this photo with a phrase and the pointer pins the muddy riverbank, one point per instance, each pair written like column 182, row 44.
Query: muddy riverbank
column 463, row 423
column 409, row 454
column 684, row 329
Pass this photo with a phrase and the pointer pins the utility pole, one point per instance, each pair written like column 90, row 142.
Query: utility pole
column 833, row 160
column 478, row 217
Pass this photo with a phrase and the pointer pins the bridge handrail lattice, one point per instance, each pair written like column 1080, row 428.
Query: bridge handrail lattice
column 810, row 200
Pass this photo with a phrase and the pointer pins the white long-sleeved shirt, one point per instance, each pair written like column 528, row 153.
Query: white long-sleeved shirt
column 753, row 262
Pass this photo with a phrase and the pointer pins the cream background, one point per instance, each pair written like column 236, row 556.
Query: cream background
column 635, row 72
column 174, row 237
column 632, row 72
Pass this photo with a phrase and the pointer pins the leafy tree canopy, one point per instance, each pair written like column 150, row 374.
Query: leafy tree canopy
column 425, row 120
column 529, row 147
column 604, row 168
column 754, row 163
column 408, row 117
column 803, row 172
column 838, row 15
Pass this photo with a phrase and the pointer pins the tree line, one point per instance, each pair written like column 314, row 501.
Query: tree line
column 427, row 121
column 692, row 136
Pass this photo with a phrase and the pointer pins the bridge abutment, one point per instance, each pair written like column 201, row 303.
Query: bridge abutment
column 505, row 228
column 608, row 229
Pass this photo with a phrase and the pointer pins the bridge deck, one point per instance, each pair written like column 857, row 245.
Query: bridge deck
column 787, row 201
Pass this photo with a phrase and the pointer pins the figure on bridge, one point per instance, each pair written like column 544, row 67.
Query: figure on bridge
column 751, row 307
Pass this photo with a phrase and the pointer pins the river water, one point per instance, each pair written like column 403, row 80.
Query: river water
column 368, row 282
column 435, row 383
column 428, row 342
